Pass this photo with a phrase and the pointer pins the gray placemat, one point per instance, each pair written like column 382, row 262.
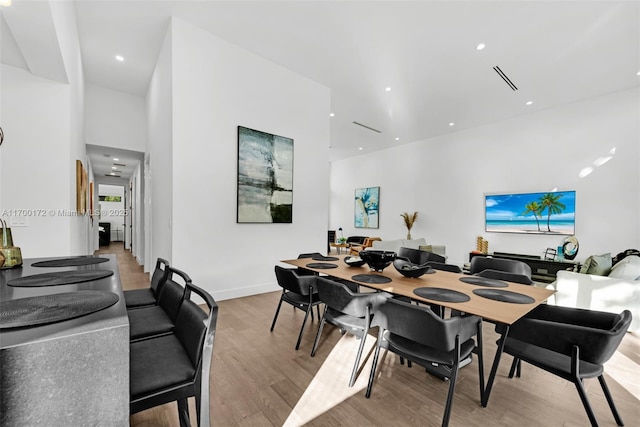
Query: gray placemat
column 504, row 296
column 321, row 265
column 370, row 278
column 441, row 294
column 60, row 278
column 45, row 309
column 70, row 262
column 484, row 281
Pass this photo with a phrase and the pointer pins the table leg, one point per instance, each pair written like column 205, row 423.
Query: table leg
column 494, row 368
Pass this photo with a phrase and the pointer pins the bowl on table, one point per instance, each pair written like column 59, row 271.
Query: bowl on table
column 378, row 260
column 353, row 261
column 409, row 269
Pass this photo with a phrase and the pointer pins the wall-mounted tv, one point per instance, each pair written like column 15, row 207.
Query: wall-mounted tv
column 531, row 213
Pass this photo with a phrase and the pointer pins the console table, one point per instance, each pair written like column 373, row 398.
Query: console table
column 542, row 270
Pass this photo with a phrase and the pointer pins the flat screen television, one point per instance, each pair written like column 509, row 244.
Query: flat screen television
column 531, row 213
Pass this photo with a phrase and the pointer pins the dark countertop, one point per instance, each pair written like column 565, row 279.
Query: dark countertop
column 114, row 316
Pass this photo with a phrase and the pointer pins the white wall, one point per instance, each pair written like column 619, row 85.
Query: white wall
column 115, row 119
column 445, row 178
column 159, row 151
column 216, row 87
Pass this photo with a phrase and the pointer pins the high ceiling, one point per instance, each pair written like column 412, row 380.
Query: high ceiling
column 554, row 53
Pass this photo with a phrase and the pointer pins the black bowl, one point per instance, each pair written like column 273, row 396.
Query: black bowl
column 408, row 269
column 378, row 260
column 353, row 261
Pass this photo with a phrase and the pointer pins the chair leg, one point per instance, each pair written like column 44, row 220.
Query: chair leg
column 514, row 366
column 373, row 367
column 183, row 413
column 585, row 401
column 315, row 342
column 273, row 324
column 356, row 365
column 607, row 394
column 452, row 387
column 306, row 314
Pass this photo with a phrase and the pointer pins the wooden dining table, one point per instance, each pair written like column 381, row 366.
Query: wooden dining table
column 499, row 312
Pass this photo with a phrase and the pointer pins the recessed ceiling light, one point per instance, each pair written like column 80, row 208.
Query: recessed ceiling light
column 113, row 167
column 5, row 3
column 116, row 159
column 451, row 124
column 388, row 89
column 397, row 139
column 360, row 148
column 120, row 58
column 529, row 103
column 480, row 46
column 331, row 114
column 638, row 73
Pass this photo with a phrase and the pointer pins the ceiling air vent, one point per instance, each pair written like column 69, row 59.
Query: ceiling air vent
column 118, row 164
column 505, row 78
column 367, row 127
column 111, row 176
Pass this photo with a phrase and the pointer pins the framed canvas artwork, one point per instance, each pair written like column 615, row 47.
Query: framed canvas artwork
column 366, row 207
column 265, row 177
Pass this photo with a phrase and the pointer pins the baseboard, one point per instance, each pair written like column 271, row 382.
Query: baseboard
column 245, row 292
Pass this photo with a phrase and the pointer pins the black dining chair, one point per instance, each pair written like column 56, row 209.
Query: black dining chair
column 480, row 263
column 570, row 343
column 351, row 312
column 444, row 267
column 300, row 292
column 417, row 256
column 504, row 275
column 160, row 319
column 135, row 298
column 419, row 335
column 177, row 366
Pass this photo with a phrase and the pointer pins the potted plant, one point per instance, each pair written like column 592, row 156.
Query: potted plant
column 409, row 219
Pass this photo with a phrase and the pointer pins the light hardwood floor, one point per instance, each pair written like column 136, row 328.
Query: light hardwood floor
column 258, row 379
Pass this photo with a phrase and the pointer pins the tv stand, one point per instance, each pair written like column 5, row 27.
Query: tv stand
column 542, row 270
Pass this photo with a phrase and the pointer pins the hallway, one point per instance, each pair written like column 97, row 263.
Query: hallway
column 132, row 275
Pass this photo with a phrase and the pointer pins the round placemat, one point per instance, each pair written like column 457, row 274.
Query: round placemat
column 504, row 296
column 370, row 278
column 70, row 262
column 441, row 294
column 322, row 265
column 45, row 309
column 324, row 258
column 484, row 281
column 60, row 278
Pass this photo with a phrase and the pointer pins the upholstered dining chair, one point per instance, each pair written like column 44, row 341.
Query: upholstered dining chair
column 570, row 343
column 351, row 312
column 135, row 298
column 480, row 263
column 504, row 275
column 417, row 334
column 300, row 292
column 177, row 366
column 156, row 320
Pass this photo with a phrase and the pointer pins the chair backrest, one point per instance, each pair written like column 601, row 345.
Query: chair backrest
column 503, row 275
column 310, row 255
column 172, row 293
column 420, row 324
column 195, row 329
column 417, row 256
column 479, row 263
column 597, row 334
column 288, row 279
column 159, row 275
column 339, row 297
column 444, row 267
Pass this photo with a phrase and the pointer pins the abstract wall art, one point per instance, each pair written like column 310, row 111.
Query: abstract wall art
column 265, row 177
column 367, row 207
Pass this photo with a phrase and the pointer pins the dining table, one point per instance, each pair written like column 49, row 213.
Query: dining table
column 497, row 301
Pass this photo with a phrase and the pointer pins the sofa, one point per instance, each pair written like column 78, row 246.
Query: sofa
column 612, row 290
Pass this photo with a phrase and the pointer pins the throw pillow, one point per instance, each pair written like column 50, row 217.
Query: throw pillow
column 628, row 268
column 428, row 248
column 599, row 265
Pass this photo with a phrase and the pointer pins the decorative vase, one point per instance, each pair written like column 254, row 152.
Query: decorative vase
column 409, row 236
column 12, row 257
